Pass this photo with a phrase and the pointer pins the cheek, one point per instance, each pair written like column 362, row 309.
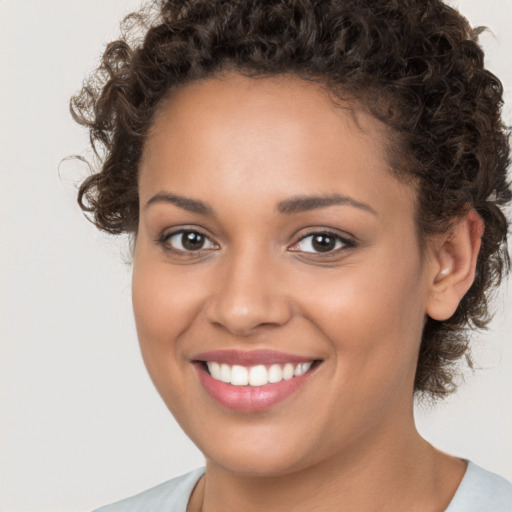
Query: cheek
column 373, row 317
column 166, row 297
column 163, row 307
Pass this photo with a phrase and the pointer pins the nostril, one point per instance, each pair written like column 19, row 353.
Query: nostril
column 242, row 315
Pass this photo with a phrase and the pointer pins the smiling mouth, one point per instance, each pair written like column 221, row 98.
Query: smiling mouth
column 257, row 375
column 253, row 381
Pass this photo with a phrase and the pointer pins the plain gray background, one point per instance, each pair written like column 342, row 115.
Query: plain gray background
column 81, row 424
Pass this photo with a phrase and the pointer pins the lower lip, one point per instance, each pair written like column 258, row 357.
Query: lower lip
column 250, row 398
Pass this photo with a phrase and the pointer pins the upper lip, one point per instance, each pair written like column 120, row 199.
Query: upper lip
column 251, row 358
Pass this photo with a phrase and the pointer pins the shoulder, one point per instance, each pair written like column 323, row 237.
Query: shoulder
column 482, row 491
column 171, row 495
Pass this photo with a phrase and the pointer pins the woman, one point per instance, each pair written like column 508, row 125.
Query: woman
column 315, row 194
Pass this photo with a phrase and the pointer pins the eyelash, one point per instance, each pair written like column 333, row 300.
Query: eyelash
column 346, row 242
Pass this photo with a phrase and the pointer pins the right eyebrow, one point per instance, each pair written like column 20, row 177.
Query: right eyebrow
column 186, row 203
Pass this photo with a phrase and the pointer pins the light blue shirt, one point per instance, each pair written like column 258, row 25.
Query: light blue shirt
column 479, row 491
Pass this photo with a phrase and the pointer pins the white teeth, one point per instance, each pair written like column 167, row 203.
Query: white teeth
column 239, row 375
column 302, row 368
column 258, row 375
column 225, row 373
column 275, row 374
column 288, row 371
column 214, row 369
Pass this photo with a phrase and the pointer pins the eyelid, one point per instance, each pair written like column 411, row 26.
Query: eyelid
column 347, row 242
column 163, row 239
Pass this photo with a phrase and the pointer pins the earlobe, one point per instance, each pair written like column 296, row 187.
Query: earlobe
column 453, row 266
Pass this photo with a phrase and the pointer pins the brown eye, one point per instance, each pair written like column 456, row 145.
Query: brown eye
column 322, row 242
column 187, row 241
column 192, row 241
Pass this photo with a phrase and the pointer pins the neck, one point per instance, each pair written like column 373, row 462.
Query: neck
column 393, row 471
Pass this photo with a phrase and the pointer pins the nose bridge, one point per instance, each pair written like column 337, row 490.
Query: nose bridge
column 249, row 292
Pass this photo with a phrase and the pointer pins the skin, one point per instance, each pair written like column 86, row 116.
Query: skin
column 346, row 440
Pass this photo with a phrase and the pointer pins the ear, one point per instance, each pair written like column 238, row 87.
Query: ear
column 453, row 265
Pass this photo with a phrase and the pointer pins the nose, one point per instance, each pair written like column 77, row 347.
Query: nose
column 248, row 295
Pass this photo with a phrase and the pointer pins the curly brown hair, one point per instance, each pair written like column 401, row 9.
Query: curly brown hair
column 416, row 65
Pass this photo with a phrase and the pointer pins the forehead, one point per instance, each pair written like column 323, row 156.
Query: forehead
column 234, row 133
column 265, row 101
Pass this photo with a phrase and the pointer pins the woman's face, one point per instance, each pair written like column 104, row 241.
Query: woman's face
column 273, row 235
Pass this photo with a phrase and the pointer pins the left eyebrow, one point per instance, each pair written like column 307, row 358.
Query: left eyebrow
column 299, row 204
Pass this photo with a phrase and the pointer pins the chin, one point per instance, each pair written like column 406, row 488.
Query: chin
column 266, row 456
column 256, row 465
